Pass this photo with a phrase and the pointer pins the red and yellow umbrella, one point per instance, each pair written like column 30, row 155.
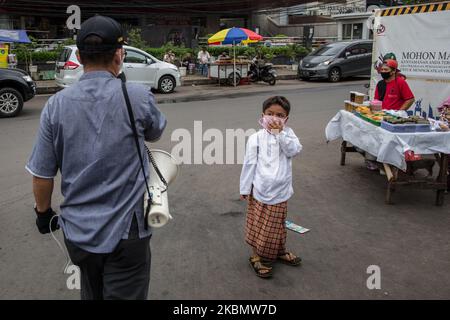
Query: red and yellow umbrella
column 234, row 36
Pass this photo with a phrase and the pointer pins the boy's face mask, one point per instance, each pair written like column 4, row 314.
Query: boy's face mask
column 266, row 120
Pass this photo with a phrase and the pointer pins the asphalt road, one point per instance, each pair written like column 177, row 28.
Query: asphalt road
column 201, row 254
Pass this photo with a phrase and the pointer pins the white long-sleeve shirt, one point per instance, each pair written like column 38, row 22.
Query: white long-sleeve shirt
column 268, row 166
column 203, row 57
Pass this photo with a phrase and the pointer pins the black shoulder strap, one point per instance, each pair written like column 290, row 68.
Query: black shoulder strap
column 136, row 140
column 381, row 86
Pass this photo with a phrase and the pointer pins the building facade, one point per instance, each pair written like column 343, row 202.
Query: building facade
column 178, row 21
column 328, row 20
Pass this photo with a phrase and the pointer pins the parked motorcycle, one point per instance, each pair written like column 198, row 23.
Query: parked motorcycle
column 262, row 72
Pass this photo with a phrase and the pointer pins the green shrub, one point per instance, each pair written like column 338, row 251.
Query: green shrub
column 180, row 52
column 36, row 57
column 292, row 51
column 45, row 56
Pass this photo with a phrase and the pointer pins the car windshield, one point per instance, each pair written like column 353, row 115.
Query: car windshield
column 329, row 50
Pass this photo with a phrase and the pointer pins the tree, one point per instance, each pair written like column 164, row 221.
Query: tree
column 135, row 38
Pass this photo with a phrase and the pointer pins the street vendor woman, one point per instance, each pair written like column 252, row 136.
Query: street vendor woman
column 393, row 90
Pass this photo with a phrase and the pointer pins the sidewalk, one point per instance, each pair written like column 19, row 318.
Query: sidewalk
column 50, row 87
column 214, row 91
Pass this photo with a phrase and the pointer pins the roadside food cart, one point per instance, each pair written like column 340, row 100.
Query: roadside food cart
column 392, row 147
column 227, row 70
column 232, row 36
column 402, row 145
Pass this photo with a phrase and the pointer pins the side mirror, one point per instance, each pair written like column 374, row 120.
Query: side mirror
column 347, row 54
column 149, row 61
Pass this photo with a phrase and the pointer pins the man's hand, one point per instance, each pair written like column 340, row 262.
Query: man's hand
column 43, row 221
column 42, row 189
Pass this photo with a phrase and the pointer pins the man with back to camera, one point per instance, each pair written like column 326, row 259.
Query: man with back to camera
column 85, row 132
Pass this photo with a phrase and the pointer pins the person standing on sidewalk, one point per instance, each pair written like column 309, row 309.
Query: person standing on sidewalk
column 203, row 59
column 169, row 57
column 85, row 133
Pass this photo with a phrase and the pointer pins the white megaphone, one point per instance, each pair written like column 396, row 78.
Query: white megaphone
column 159, row 212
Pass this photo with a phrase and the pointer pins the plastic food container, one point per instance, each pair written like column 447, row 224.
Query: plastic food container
column 397, row 128
column 349, row 106
column 376, row 105
column 359, row 98
column 423, row 128
column 405, row 128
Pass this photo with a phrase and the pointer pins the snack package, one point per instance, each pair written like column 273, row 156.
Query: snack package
column 411, row 156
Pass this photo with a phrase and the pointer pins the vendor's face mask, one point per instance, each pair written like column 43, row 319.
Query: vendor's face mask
column 266, row 120
column 385, row 75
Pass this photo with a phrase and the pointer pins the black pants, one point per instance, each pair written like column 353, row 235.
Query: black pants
column 122, row 274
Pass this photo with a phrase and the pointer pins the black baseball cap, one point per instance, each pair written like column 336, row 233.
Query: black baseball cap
column 108, row 29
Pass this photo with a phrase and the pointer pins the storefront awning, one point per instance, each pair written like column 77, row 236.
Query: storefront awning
column 14, row 36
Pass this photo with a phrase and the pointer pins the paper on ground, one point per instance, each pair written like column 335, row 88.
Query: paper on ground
column 295, row 227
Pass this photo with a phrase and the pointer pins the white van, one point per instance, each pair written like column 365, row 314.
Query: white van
column 138, row 66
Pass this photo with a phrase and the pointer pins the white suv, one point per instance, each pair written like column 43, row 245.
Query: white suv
column 138, row 66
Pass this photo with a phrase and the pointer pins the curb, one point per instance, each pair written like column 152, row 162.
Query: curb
column 205, row 81
column 186, row 83
column 47, row 90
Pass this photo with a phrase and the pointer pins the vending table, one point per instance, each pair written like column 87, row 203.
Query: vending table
column 389, row 148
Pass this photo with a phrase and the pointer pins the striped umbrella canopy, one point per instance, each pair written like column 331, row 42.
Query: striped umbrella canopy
column 234, row 36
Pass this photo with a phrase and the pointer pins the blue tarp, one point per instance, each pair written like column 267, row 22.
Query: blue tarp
column 14, row 36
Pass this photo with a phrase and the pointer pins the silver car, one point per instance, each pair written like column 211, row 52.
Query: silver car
column 337, row 60
column 138, row 66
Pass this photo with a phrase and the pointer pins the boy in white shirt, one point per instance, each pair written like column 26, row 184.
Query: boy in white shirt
column 266, row 183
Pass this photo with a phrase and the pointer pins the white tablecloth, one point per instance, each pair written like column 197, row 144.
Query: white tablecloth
column 387, row 146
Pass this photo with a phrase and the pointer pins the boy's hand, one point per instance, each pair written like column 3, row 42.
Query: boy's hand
column 276, row 126
column 244, row 197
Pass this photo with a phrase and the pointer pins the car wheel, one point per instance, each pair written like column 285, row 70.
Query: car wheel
column 334, row 75
column 11, row 102
column 166, row 84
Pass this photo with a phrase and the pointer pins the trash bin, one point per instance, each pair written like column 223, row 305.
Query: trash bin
column 183, row 71
column 191, row 68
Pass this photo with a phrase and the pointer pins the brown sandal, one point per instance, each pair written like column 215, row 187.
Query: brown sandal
column 290, row 262
column 260, row 268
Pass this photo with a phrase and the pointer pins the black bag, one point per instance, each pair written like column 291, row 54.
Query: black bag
column 381, row 87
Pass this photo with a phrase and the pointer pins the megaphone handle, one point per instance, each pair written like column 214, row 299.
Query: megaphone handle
column 155, row 166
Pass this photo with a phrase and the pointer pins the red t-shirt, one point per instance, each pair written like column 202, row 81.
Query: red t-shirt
column 397, row 92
